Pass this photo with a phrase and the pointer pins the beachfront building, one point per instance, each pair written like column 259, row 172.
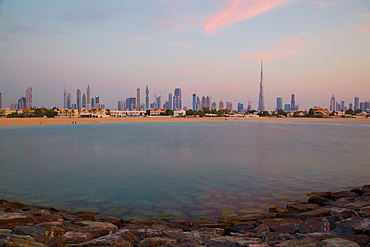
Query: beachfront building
column 68, row 113
column 118, row 113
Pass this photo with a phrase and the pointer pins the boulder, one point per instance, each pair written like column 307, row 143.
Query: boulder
column 157, row 241
column 301, row 207
column 40, row 235
column 233, row 241
column 19, row 241
column 277, row 209
column 304, row 242
column 352, row 226
column 337, row 242
column 119, row 239
column 343, row 213
column 9, row 220
column 281, row 225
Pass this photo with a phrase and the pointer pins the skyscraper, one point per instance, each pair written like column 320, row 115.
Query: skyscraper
column 357, row 103
column 249, row 105
column 1, row 101
column 221, row 105
column 170, row 103
column 138, row 99
column 78, row 94
column 206, row 102
column 69, row 99
column 240, row 107
column 159, row 101
column 229, row 106
column 292, row 103
column 177, row 104
column 279, row 103
column 65, row 98
column 97, row 102
column 261, row 98
column 83, row 101
column 194, row 102
column 22, row 103
column 332, row 103
column 29, row 97
column 88, row 99
column 147, row 98
column 213, row 107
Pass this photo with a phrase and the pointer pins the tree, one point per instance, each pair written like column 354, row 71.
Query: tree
column 281, row 113
column 264, row 114
column 169, row 112
column 358, row 111
column 350, row 112
column 311, row 113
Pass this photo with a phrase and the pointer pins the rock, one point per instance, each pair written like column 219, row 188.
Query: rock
column 19, row 241
column 337, row 242
column 276, row 236
column 9, row 220
column 343, row 213
column 277, row 209
column 316, row 235
column 197, row 225
column 115, row 221
column 74, row 237
column 304, row 242
column 43, row 216
column 233, row 241
column 262, row 228
column 352, row 226
column 320, row 200
column 157, row 241
column 281, row 225
column 302, row 207
column 340, row 194
column 320, row 212
column 182, row 224
column 183, row 237
column 361, row 239
column 207, row 233
column 40, row 235
column 120, row 239
column 313, row 194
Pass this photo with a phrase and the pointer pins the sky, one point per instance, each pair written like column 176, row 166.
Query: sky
column 310, row 48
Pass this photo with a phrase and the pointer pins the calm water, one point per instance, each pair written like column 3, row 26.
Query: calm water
column 183, row 170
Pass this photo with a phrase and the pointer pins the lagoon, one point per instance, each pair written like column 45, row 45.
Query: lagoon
column 185, row 170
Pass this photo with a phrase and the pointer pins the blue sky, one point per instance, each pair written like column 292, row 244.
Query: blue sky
column 211, row 47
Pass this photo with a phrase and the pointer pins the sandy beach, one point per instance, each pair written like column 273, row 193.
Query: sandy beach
column 54, row 121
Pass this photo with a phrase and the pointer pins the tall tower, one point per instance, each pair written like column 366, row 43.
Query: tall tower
column 170, row 103
column 1, row 101
column 249, row 105
column 147, row 98
column 88, row 98
column 65, row 98
column 138, row 99
column 195, row 102
column 261, row 98
column 357, row 103
column 332, row 103
column 83, row 101
column 292, row 103
column 177, row 99
column 279, row 103
column 29, row 97
column 78, row 94
column 221, row 105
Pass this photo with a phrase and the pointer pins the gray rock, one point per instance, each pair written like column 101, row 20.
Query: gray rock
column 40, row 235
column 304, row 242
column 157, row 241
column 343, row 213
column 352, row 226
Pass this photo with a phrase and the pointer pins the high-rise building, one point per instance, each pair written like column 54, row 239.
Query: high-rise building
column 362, row 106
column 131, row 103
column 206, row 102
column 343, row 105
column 121, row 105
column 97, row 102
column 29, row 97
column 194, row 102
column 177, row 103
column 292, row 103
column 13, row 106
column 221, row 105
column 147, row 106
column 138, row 103
column 159, row 101
column 22, row 103
column 83, row 101
column 357, row 103
column 332, row 103
column 261, row 98
column 240, row 107
column 1, row 101
column 229, row 106
column 170, row 101
column 214, row 105
column 249, row 108
column 65, row 97
column 69, row 101
column 367, row 106
column 287, row 107
column 350, row 106
column 279, row 103
column 78, row 99
column 88, row 98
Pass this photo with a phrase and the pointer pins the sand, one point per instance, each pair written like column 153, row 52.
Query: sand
column 48, row 121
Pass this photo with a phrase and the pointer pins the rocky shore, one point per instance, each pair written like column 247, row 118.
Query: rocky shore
column 326, row 219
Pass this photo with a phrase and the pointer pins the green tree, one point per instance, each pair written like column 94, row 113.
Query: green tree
column 358, row 111
column 311, row 113
column 350, row 112
column 169, row 112
column 264, row 114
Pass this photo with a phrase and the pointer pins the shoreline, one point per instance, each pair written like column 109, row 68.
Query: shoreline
column 339, row 218
column 58, row 121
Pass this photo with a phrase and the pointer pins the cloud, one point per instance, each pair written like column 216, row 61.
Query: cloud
column 326, row 4
column 185, row 45
column 364, row 29
column 229, row 87
column 239, row 10
column 165, row 22
column 287, row 47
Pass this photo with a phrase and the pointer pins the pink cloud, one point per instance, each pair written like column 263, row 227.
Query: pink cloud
column 183, row 70
column 230, row 87
column 326, row 4
column 285, row 48
column 165, row 22
column 185, row 45
column 364, row 29
column 240, row 10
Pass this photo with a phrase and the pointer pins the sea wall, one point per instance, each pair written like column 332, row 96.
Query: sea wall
column 326, row 219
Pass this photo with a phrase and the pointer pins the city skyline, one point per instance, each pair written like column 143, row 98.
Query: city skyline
column 312, row 48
